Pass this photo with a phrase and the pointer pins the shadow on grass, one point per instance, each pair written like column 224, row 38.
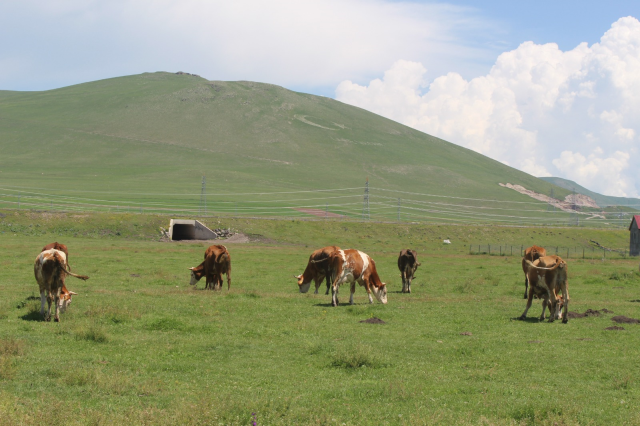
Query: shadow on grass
column 32, row 316
column 635, row 301
column 527, row 319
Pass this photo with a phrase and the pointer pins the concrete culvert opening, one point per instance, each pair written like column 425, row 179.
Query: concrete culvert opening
column 186, row 229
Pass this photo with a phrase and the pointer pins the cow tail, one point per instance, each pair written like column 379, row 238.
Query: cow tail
column 82, row 277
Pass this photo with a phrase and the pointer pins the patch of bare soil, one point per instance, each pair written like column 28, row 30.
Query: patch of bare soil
column 466, row 333
column 614, row 327
column 621, row 319
column 237, row 238
column 589, row 313
column 318, row 213
column 374, row 320
column 535, row 341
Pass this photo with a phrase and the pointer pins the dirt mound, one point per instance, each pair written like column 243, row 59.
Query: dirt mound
column 621, row 319
column 614, row 327
column 466, row 333
column 589, row 313
column 374, row 320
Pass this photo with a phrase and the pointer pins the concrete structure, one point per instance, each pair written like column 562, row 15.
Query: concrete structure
column 186, row 229
column 634, row 237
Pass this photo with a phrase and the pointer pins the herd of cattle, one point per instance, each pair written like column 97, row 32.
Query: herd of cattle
column 545, row 276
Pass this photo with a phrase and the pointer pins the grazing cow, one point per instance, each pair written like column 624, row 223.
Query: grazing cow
column 65, row 295
column 531, row 254
column 217, row 261
column 317, row 269
column 355, row 266
column 50, row 269
column 408, row 264
column 547, row 278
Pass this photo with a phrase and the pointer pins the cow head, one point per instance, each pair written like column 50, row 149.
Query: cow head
column 304, row 287
column 195, row 277
column 380, row 293
column 65, row 299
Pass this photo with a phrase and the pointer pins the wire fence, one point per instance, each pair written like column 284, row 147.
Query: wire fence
column 576, row 252
column 382, row 205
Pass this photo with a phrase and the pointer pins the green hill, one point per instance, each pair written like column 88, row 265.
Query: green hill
column 145, row 141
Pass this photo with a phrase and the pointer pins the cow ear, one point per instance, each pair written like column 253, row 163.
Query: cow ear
column 191, row 269
column 418, row 263
column 73, row 293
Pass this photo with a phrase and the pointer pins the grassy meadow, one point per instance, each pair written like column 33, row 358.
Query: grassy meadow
column 141, row 346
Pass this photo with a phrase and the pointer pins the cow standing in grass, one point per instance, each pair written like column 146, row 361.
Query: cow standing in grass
column 531, row 254
column 547, row 278
column 217, row 261
column 355, row 266
column 317, row 269
column 50, row 270
column 407, row 264
column 65, row 295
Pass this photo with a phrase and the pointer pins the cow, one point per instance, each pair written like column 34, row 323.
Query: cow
column 65, row 295
column 50, row 270
column 531, row 254
column 407, row 264
column 217, row 261
column 317, row 269
column 355, row 266
column 547, row 278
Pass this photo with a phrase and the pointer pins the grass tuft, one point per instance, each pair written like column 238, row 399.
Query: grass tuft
column 356, row 356
column 93, row 334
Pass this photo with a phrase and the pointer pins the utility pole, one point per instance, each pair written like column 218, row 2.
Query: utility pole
column 203, row 197
column 398, row 210
column 365, row 202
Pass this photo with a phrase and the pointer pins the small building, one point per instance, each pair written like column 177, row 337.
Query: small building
column 187, row 229
column 634, row 238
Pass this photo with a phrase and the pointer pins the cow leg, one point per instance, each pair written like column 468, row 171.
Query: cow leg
column 409, row 285
column 353, row 290
column 529, row 300
column 49, row 300
column 56, row 300
column 229, row 279
column 366, row 286
column 526, row 286
column 565, row 296
column 328, row 278
column 545, row 302
column 43, row 298
column 334, row 295
column 318, row 283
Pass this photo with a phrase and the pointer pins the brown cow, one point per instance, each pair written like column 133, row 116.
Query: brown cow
column 547, row 278
column 317, row 269
column 50, row 270
column 217, row 261
column 355, row 266
column 531, row 254
column 407, row 264
column 65, row 295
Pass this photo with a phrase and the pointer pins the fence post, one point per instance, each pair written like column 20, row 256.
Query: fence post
column 567, row 252
column 489, row 245
column 521, row 248
column 583, row 252
column 500, row 250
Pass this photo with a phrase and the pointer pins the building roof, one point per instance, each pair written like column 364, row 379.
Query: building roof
column 636, row 220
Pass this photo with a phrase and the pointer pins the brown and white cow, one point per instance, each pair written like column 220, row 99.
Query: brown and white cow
column 547, row 278
column 50, row 270
column 217, row 261
column 407, row 264
column 317, row 269
column 531, row 254
column 65, row 295
column 355, row 266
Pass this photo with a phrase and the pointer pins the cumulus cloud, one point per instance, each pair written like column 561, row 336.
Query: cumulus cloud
column 574, row 114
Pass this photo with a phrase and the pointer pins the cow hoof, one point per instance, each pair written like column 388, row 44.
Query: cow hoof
column 522, row 318
column 47, row 319
column 56, row 320
column 566, row 320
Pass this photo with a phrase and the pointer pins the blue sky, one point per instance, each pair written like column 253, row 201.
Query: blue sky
column 479, row 74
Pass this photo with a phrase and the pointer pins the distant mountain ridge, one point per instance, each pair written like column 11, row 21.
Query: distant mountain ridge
column 602, row 200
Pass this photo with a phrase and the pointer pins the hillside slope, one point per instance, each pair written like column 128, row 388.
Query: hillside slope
column 601, row 200
column 154, row 135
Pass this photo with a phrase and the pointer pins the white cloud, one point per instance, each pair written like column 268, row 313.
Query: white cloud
column 287, row 42
column 574, row 114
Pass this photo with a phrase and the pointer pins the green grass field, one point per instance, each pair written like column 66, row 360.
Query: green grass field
column 138, row 345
